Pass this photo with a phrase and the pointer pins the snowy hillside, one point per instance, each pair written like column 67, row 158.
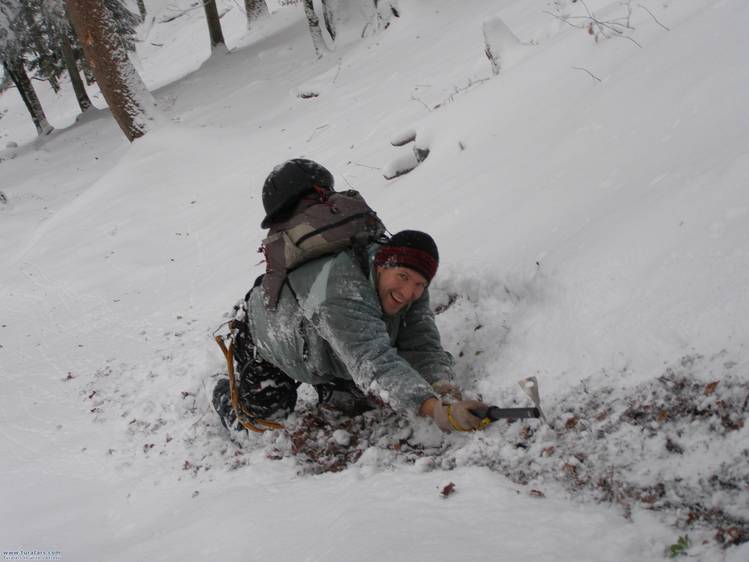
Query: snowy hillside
column 591, row 207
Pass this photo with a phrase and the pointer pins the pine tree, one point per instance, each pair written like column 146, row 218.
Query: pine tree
column 43, row 24
column 20, row 78
column 328, row 13
column 48, row 46
column 254, row 9
column 214, row 23
column 129, row 100
column 314, row 28
column 64, row 45
column 385, row 10
column 42, row 57
column 68, row 56
column 13, row 35
column 124, row 22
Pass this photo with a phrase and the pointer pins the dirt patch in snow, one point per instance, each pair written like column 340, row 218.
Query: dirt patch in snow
column 676, row 445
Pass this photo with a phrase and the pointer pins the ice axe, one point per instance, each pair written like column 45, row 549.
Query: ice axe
column 530, row 387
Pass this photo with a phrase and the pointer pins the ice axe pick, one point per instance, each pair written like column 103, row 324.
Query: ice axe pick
column 530, row 387
column 494, row 413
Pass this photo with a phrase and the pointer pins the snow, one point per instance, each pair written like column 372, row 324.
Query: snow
column 590, row 207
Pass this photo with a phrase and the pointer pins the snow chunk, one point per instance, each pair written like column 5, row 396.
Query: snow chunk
column 342, row 437
column 500, row 43
column 404, row 137
column 401, row 165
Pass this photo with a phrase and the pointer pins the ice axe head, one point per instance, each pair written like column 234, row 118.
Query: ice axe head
column 530, row 387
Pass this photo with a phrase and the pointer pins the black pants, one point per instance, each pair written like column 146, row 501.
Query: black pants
column 267, row 392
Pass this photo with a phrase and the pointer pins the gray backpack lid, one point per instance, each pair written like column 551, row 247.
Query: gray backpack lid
column 320, row 224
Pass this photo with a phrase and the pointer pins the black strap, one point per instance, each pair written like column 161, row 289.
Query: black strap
column 287, row 282
column 257, row 283
column 332, row 225
column 362, row 258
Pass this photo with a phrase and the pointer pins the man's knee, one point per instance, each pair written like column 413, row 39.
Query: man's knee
column 265, row 390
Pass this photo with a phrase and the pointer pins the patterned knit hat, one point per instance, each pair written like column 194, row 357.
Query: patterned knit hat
column 412, row 249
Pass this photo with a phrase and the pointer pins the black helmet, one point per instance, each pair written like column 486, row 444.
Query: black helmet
column 288, row 182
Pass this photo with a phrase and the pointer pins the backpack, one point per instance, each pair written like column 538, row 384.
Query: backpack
column 322, row 222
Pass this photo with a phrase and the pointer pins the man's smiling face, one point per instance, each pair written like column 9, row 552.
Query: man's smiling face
column 398, row 287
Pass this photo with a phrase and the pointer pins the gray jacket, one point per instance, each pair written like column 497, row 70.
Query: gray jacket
column 329, row 324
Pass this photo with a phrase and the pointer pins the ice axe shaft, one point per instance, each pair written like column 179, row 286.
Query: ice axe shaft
column 495, row 413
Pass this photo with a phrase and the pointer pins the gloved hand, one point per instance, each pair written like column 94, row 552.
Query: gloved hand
column 456, row 416
column 447, row 389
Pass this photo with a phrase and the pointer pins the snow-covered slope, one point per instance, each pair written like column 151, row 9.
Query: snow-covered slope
column 590, row 204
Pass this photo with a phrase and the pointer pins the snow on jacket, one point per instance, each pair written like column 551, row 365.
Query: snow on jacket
column 329, row 324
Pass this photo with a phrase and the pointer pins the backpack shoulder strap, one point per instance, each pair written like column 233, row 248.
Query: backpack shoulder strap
column 362, row 258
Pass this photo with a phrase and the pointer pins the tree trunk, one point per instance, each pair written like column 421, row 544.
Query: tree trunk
column 84, row 102
column 314, row 28
column 129, row 100
column 88, row 72
column 385, row 10
column 17, row 73
column 214, row 23
column 142, row 10
column 255, row 9
column 328, row 16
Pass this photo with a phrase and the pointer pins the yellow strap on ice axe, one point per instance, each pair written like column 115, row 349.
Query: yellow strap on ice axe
column 456, row 426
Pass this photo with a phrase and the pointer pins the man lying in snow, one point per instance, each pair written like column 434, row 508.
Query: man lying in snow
column 356, row 325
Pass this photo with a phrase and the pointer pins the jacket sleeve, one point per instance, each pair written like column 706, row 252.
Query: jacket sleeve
column 419, row 343
column 350, row 321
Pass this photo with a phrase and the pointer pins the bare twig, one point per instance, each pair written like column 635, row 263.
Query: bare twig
column 471, row 83
column 179, row 12
column 337, row 71
column 197, row 420
column 365, row 166
column 606, row 28
column 347, row 182
column 655, row 19
column 315, row 131
column 413, row 97
column 588, row 71
column 611, row 23
column 560, row 18
column 630, row 39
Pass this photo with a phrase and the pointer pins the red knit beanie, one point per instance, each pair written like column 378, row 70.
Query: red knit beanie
column 412, row 249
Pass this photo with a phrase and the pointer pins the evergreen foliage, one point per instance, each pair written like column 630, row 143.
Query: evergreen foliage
column 9, row 10
column 35, row 33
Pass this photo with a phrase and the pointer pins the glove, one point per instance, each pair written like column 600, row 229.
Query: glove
column 446, row 389
column 458, row 417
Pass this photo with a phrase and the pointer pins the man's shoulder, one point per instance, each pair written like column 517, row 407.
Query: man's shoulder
column 329, row 275
column 342, row 263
